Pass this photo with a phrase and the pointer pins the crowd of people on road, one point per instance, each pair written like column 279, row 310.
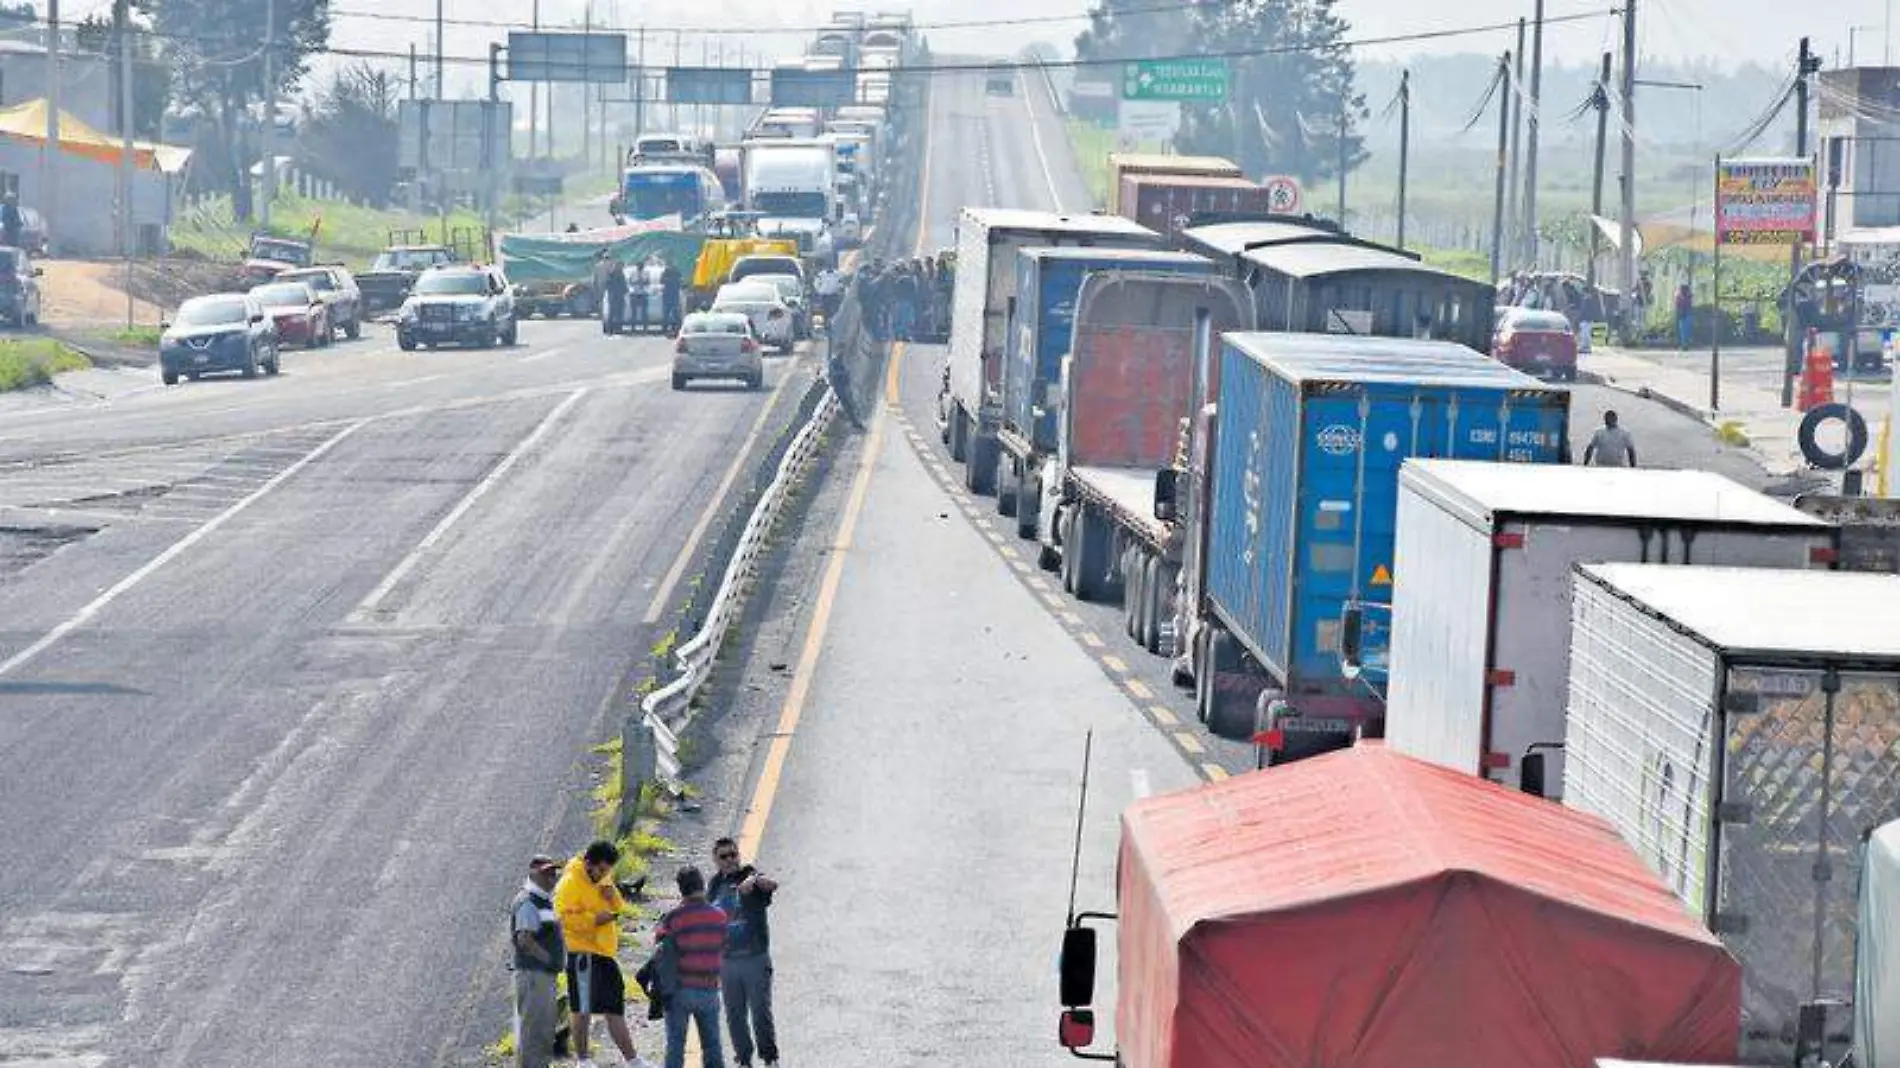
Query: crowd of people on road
column 712, row 951
column 629, row 293
column 908, row 300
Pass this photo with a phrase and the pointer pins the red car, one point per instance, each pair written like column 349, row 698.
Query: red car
column 301, row 316
column 1536, row 342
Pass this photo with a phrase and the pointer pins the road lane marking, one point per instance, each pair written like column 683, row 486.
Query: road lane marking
column 1214, row 772
column 1115, row 664
column 1068, row 617
column 1163, row 716
column 1141, row 691
column 178, row 548
column 1089, row 639
column 693, row 538
column 548, row 354
column 408, row 563
column 1035, row 137
column 1189, row 742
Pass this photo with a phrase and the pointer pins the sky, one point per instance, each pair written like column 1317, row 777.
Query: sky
column 1727, row 32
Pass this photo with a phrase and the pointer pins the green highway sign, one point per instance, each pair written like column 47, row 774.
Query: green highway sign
column 1175, row 79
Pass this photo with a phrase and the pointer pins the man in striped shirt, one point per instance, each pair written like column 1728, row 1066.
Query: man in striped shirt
column 695, row 934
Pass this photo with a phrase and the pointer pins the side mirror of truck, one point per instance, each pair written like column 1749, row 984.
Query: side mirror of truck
column 1352, row 639
column 1076, row 1030
column 1530, row 774
column 1167, row 494
column 1078, row 968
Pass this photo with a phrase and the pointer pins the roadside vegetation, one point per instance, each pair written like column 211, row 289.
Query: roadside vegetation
column 33, row 361
column 344, row 231
column 144, row 337
column 1092, row 144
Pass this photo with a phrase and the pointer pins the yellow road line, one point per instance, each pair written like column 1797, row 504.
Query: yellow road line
column 1214, row 772
column 1141, row 692
column 1163, row 716
column 1189, row 742
column 1089, row 639
column 1115, row 664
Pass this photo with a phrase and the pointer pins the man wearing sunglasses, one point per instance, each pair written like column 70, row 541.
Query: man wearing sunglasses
column 744, row 894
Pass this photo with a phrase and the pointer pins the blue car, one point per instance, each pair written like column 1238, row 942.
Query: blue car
column 226, row 332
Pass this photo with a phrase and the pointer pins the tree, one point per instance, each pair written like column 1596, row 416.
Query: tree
column 351, row 136
column 151, row 77
column 216, row 49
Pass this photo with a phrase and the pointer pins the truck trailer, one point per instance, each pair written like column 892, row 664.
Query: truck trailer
column 988, row 240
column 1042, row 326
column 1741, row 729
column 1122, row 164
column 1481, row 625
column 1169, row 203
column 1310, row 430
column 1367, row 910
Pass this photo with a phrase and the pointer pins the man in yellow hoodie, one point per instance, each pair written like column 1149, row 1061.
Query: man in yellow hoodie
column 589, row 907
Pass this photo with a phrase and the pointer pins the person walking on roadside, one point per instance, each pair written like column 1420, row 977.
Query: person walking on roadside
column 1610, row 446
column 670, row 296
column 1685, row 316
column 589, row 907
column 695, row 932
column 540, row 954
column 613, row 286
column 743, row 893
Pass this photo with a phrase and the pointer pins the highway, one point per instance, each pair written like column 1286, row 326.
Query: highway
column 298, row 671
column 904, row 745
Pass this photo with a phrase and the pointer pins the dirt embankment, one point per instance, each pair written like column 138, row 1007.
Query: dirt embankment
column 89, row 295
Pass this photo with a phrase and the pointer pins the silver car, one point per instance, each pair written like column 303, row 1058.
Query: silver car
column 717, row 345
column 772, row 319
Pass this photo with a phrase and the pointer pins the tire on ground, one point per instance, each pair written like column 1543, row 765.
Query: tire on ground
column 1820, row 457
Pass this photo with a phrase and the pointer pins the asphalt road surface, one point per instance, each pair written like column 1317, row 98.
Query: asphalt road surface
column 296, row 672
column 904, row 748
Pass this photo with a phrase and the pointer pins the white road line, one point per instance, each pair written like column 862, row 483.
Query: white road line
column 92, row 608
column 555, row 351
column 462, row 507
column 678, row 570
column 1035, row 137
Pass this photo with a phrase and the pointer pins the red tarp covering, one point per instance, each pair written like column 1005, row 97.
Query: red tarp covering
column 1366, row 909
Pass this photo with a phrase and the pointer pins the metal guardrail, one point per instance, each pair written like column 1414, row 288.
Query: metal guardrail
column 650, row 748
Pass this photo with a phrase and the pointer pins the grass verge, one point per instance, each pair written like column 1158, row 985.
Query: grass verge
column 1092, row 145
column 142, row 336
column 348, row 232
column 29, row 362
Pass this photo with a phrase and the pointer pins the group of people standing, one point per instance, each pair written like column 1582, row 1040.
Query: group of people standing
column 906, row 300
column 712, row 949
column 627, row 291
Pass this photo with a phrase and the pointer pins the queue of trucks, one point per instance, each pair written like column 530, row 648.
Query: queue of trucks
column 1283, row 450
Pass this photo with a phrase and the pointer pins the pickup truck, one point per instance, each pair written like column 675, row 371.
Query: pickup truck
column 387, row 282
column 268, row 256
column 1367, row 910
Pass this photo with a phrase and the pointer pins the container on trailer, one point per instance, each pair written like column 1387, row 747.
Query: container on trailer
column 1125, row 163
column 1312, row 430
column 1048, row 283
column 1741, row 729
column 1481, row 622
column 1167, row 203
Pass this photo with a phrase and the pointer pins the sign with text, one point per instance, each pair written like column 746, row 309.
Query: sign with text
column 1200, row 80
column 567, row 57
column 708, row 85
column 1764, row 201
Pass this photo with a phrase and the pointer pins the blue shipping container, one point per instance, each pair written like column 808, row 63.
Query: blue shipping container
column 1047, row 283
column 1312, row 430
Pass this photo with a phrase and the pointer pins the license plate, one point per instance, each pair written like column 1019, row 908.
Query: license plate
column 201, row 359
column 1309, row 725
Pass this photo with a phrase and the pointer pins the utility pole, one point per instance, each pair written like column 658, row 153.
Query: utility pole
column 1344, row 102
column 49, row 153
column 122, row 20
column 640, row 92
column 1504, row 141
column 1807, row 63
column 1529, row 231
column 672, row 105
column 1515, row 207
column 1405, row 144
column 1626, row 251
column 441, row 46
column 412, row 70
column 587, row 130
column 268, row 140
column 1600, row 99
column 534, row 96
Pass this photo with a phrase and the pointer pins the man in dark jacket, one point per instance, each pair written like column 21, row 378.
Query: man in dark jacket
column 612, row 278
column 743, row 893
column 670, row 296
column 539, row 955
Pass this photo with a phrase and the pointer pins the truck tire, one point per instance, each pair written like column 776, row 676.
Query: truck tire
column 1815, row 453
column 959, row 435
column 1090, row 549
column 1006, row 482
column 1066, row 561
column 1131, row 581
column 979, row 473
column 1028, row 506
column 1148, row 607
column 1227, row 714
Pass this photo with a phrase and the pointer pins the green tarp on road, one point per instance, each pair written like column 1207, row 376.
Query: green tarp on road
column 571, row 257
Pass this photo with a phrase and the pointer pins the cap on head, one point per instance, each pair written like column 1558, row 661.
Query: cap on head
column 541, row 862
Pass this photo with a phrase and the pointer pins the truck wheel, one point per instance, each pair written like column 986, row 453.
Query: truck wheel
column 1218, row 655
column 979, row 474
column 1028, row 507
column 1131, row 581
column 1090, row 550
column 1147, row 617
column 1066, row 562
column 1006, row 483
column 1160, row 604
column 1048, row 558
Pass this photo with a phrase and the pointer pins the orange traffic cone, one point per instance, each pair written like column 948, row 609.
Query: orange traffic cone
column 1817, row 374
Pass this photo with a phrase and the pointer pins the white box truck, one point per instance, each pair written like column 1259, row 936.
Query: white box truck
column 1481, row 608
column 1741, row 729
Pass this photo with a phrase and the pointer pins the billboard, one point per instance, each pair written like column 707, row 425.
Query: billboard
column 1764, row 201
column 567, row 57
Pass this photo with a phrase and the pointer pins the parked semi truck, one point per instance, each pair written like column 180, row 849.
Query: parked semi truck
column 1132, row 392
column 1481, row 623
column 1367, row 910
column 1123, row 164
column 1741, row 729
column 988, row 240
column 1309, row 433
column 1042, row 325
column 1168, row 203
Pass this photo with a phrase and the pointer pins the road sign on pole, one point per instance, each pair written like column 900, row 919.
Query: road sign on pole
column 812, row 88
column 708, row 85
column 567, row 57
column 1198, row 80
column 1283, row 195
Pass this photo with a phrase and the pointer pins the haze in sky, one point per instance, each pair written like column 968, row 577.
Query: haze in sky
column 1726, row 31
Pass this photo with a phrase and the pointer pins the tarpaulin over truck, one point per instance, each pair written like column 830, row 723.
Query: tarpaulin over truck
column 1369, row 910
column 571, row 257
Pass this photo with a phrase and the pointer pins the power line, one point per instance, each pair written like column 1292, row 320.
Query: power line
column 759, row 31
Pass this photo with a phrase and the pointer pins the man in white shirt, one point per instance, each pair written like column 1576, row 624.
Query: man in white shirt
column 1610, row 446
